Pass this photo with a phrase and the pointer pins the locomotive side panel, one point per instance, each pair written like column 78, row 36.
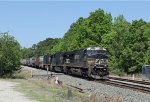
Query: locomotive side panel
column 57, row 62
column 75, row 62
column 46, row 61
column 75, row 58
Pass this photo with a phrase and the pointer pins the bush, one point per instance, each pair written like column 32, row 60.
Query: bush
column 9, row 54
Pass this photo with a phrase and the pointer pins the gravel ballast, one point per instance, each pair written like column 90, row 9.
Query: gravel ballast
column 98, row 90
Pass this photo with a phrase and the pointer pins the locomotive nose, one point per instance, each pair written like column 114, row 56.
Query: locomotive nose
column 100, row 61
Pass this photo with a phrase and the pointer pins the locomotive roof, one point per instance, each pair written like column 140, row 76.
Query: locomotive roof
column 80, row 50
column 146, row 65
column 95, row 48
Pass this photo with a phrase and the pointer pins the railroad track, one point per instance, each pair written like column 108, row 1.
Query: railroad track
column 129, row 80
column 123, row 83
column 128, row 84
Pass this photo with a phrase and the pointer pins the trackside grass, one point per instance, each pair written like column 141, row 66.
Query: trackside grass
column 44, row 90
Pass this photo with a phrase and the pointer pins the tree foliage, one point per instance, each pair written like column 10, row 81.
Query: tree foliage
column 128, row 43
column 86, row 31
column 10, row 54
column 42, row 48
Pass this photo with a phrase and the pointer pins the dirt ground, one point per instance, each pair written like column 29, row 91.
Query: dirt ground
column 8, row 94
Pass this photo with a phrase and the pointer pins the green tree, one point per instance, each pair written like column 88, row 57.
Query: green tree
column 42, row 48
column 86, row 31
column 10, row 54
column 128, row 44
column 116, row 43
column 139, row 44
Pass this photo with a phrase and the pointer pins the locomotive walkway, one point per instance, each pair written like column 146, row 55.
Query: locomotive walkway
column 8, row 94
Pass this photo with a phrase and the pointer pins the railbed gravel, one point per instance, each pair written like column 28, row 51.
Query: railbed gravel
column 97, row 89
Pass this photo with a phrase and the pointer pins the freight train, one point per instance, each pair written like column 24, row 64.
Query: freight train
column 88, row 62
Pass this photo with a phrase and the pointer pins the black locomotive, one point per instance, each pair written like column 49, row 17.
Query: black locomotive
column 89, row 62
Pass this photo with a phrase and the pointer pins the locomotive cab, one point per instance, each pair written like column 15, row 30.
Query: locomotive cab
column 97, row 60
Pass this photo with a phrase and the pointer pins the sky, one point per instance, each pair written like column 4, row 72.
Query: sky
column 33, row 21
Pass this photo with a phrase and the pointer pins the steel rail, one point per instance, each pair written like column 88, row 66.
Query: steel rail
column 129, row 80
column 130, row 86
column 76, row 88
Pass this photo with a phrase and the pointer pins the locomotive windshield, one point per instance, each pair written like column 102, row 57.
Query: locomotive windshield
column 96, row 53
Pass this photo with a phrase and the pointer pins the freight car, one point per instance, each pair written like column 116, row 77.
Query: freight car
column 89, row 62
column 44, row 61
column 32, row 61
column 23, row 62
